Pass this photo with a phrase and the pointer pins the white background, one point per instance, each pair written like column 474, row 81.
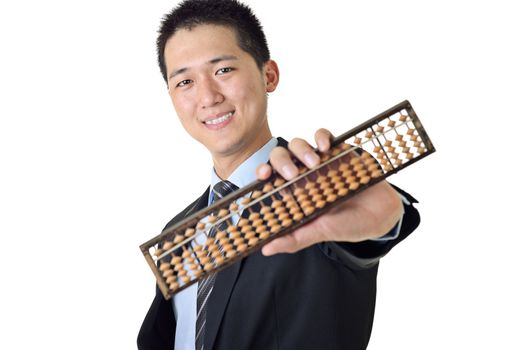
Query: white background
column 92, row 157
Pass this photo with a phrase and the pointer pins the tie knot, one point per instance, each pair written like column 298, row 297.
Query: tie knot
column 223, row 188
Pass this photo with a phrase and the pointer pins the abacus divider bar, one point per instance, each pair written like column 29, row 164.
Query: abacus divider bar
column 170, row 231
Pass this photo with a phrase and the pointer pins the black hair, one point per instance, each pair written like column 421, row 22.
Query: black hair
column 229, row 13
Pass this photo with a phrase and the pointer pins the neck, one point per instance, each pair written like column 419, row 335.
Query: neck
column 224, row 165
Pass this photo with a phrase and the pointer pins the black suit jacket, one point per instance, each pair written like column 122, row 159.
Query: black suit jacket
column 321, row 297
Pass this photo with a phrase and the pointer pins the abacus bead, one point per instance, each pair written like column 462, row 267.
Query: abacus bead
column 254, row 216
column 260, row 229
column 314, row 191
column 267, row 188
column 279, row 181
column 339, row 185
column 298, row 191
column 167, row 273
column 280, row 210
column 376, row 173
column 265, row 210
column 268, row 216
column 257, row 222
column 343, row 191
column 276, row 204
column 272, row 222
column 353, row 186
column 331, row 198
column 317, row 197
column 297, row 216
column 275, row 228
column 242, row 247
column 294, row 210
column 365, row 179
column 264, row 234
column 328, row 191
column 308, row 210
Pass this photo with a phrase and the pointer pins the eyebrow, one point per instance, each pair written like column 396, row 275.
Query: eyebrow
column 211, row 61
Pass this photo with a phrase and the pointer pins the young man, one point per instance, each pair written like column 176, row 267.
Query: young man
column 321, row 293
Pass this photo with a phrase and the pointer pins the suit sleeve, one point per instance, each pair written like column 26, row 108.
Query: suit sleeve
column 366, row 254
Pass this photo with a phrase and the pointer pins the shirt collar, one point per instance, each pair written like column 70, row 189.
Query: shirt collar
column 246, row 172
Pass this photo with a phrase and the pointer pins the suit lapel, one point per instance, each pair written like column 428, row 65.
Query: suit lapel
column 221, row 294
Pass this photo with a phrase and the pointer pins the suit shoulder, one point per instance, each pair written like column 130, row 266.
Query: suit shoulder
column 199, row 203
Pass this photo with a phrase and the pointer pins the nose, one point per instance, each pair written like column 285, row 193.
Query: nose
column 209, row 93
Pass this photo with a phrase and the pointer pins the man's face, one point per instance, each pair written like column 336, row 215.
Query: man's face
column 218, row 91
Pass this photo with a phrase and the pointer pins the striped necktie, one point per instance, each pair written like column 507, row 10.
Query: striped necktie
column 205, row 286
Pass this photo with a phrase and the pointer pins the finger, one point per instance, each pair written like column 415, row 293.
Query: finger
column 290, row 243
column 282, row 163
column 304, row 152
column 323, row 139
column 263, row 171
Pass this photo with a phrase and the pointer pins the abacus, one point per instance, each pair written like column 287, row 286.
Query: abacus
column 243, row 221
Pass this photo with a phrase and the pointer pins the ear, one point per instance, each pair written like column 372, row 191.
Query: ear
column 271, row 75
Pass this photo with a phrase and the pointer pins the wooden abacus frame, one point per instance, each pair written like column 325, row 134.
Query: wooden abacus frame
column 363, row 155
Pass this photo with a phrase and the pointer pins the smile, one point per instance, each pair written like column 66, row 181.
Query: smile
column 219, row 120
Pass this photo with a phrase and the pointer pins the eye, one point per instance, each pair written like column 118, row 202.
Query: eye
column 224, row 70
column 183, row 83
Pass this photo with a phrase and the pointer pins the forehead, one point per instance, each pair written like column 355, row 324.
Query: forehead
column 189, row 47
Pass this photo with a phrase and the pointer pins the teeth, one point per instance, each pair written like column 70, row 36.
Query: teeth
column 219, row 120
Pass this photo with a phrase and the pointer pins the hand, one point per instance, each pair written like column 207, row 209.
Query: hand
column 369, row 214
